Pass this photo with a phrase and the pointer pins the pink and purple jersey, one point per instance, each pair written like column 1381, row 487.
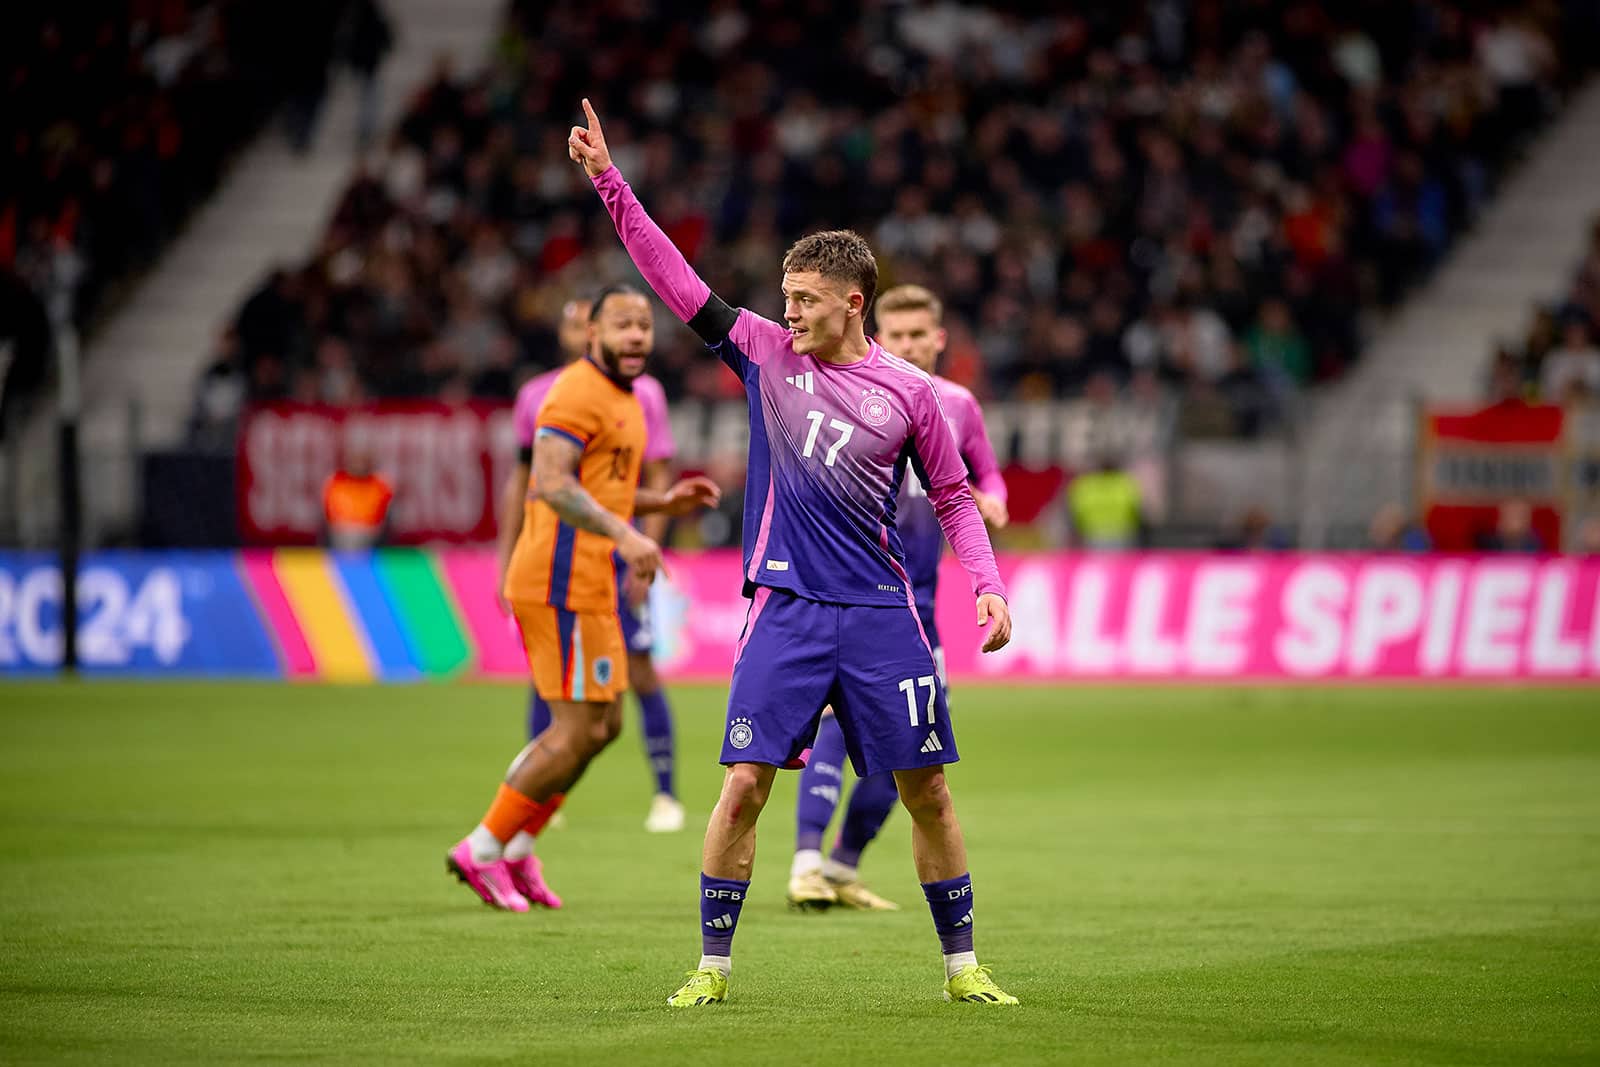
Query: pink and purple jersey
column 919, row 526
column 659, row 443
column 829, row 444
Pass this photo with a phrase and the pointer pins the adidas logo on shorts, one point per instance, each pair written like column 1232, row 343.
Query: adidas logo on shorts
column 932, row 743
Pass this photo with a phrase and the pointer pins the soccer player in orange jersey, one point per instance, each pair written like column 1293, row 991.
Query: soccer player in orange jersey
column 655, row 713
column 562, row 584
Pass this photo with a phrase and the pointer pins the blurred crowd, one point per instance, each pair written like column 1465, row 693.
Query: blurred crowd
column 1194, row 196
column 119, row 119
column 1558, row 362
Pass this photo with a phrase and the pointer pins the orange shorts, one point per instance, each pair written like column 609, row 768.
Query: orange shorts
column 575, row 656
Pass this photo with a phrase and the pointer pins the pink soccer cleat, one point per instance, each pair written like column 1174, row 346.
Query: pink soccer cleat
column 527, row 878
column 491, row 881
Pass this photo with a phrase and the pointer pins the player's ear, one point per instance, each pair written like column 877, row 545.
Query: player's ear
column 856, row 304
column 940, row 336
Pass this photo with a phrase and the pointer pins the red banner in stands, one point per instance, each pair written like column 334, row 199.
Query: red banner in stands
column 447, row 461
column 444, row 461
column 1473, row 462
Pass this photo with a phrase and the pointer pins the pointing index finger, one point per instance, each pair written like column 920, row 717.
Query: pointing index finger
column 594, row 120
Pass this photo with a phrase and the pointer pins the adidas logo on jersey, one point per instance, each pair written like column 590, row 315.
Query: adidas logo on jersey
column 932, row 743
column 806, row 381
column 721, row 922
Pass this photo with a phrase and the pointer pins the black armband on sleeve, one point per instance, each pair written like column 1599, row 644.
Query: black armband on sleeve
column 525, row 455
column 714, row 321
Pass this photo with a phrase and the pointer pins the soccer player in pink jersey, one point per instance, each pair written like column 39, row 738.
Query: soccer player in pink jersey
column 909, row 324
column 835, row 421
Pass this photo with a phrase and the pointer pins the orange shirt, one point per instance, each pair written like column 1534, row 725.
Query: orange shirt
column 557, row 564
column 349, row 501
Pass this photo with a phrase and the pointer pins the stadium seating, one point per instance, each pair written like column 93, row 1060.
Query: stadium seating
column 120, row 119
column 1208, row 200
column 1558, row 360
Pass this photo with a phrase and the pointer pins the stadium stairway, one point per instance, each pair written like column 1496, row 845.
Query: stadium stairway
column 140, row 367
column 1358, row 449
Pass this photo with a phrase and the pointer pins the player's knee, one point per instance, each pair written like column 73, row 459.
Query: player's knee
column 745, row 790
column 927, row 798
column 600, row 732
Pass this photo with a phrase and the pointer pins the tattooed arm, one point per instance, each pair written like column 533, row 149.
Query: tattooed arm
column 555, row 478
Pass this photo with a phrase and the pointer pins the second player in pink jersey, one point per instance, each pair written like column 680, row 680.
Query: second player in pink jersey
column 910, row 325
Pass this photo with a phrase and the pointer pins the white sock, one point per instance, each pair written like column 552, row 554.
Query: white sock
column 486, row 848
column 954, row 961
column 717, row 963
column 834, row 871
column 520, row 847
column 806, row 860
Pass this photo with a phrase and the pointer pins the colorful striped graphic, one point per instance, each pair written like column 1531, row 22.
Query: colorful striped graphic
column 384, row 634
column 359, row 616
column 471, row 577
column 432, row 626
column 256, row 567
column 404, row 615
column 308, row 580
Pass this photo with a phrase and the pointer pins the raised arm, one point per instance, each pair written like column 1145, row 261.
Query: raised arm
column 657, row 258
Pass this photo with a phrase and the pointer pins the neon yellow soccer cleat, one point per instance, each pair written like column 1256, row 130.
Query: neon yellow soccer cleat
column 705, row 986
column 972, row 985
column 856, row 895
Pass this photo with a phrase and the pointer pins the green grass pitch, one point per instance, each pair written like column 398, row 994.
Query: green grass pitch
column 218, row 873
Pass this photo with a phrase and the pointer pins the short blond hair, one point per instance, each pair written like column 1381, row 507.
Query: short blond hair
column 911, row 298
column 840, row 256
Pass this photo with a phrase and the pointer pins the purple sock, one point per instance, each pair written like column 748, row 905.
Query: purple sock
column 656, row 716
column 538, row 715
column 871, row 801
column 720, row 902
column 819, row 786
column 951, row 904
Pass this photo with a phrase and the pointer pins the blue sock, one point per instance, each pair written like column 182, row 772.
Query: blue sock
column 871, row 801
column 656, row 716
column 538, row 715
column 820, row 783
column 721, row 900
column 951, row 904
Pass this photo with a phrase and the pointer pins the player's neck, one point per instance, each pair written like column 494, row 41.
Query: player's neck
column 625, row 384
column 852, row 348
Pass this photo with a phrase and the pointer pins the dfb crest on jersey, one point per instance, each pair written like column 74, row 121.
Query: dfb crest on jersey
column 602, row 670
column 740, row 733
column 874, row 409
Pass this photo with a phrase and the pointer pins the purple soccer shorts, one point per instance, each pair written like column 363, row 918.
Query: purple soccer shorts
column 872, row 664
